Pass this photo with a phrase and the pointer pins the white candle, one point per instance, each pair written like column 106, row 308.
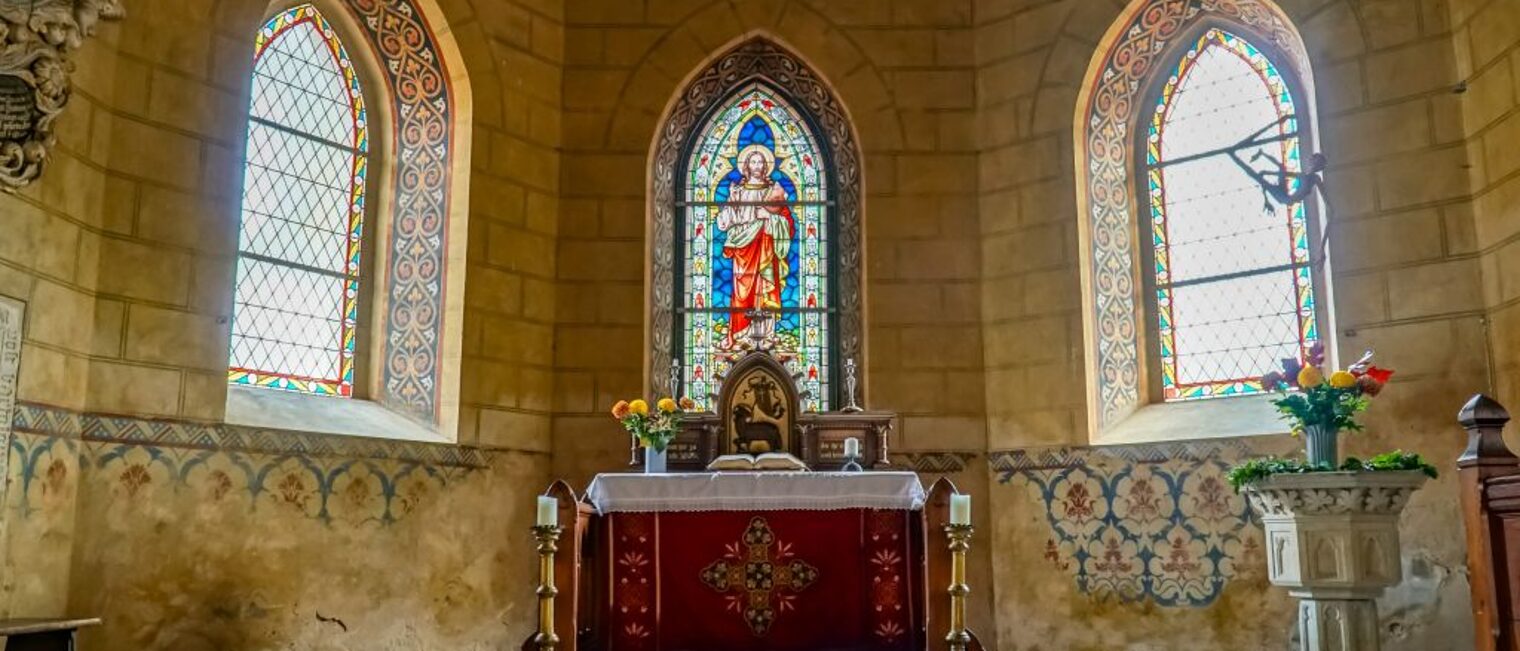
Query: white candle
column 548, row 511
column 852, row 447
column 960, row 509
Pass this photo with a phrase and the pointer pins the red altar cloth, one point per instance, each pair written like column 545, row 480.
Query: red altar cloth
column 764, row 580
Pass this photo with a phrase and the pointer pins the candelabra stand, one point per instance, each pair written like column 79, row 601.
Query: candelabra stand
column 547, row 537
column 960, row 542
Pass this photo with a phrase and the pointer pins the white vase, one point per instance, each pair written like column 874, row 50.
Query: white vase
column 1333, row 542
column 654, row 461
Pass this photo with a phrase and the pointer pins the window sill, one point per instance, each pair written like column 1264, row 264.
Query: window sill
column 284, row 410
column 1198, row 419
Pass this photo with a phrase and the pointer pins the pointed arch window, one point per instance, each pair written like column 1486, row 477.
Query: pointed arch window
column 298, row 268
column 1231, row 284
column 756, row 226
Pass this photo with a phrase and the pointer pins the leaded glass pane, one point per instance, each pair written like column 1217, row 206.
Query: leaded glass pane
column 1233, row 288
column 295, row 303
column 755, row 226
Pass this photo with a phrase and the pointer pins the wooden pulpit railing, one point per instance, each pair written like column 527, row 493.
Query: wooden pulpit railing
column 1489, row 474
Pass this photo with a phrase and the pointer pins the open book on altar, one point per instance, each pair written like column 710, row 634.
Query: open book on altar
column 752, row 462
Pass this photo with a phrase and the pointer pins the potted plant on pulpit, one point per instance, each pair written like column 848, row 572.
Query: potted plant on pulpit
column 654, row 430
column 1331, row 527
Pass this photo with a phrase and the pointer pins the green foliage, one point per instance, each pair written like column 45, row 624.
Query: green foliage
column 1323, row 405
column 1258, row 469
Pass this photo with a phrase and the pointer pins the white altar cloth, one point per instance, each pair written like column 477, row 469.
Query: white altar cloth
column 755, row 491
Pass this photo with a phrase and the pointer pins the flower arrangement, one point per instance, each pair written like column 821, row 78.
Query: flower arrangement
column 655, row 429
column 1314, row 400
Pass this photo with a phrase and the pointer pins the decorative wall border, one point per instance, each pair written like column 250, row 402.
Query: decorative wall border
column 1004, row 462
column 937, row 462
column 1112, row 91
column 757, row 58
column 417, row 250
column 58, row 422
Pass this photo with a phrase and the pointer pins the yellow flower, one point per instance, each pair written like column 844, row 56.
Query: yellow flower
column 639, row 407
column 1310, row 377
column 666, row 405
column 620, row 410
column 1342, row 380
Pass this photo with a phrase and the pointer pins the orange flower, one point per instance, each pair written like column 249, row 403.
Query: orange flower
column 687, row 404
column 620, row 410
column 1342, row 380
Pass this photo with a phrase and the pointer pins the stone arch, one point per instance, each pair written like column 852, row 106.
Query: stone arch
column 755, row 57
column 1109, row 104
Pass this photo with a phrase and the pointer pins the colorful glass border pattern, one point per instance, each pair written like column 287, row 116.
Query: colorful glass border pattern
column 342, row 385
column 1291, row 155
column 756, row 116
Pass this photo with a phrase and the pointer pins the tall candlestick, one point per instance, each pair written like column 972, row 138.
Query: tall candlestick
column 548, row 511
column 960, row 509
column 958, row 639
column 546, row 535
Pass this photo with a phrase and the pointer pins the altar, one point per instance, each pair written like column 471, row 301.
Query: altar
column 809, row 561
column 824, row 559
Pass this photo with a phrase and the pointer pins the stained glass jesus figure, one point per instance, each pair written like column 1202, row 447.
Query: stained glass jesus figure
column 758, row 230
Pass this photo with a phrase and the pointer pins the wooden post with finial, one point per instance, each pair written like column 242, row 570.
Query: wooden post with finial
column 1485, row 458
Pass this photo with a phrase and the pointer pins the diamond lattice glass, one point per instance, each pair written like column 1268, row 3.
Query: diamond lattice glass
column 755, row 226
column 1233, row 285
column 295, row 301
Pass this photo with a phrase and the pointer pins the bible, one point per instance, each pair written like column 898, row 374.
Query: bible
column 750, row 462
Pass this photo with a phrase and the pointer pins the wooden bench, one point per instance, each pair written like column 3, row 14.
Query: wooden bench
column 1489, row 476
column 42, row 634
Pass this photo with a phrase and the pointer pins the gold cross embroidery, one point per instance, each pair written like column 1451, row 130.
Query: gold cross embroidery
column 755, row 584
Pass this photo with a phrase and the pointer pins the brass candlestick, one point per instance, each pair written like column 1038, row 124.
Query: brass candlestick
column 547, row 536
column 960, row 542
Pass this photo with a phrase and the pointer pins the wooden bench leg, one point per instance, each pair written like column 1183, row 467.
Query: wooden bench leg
column 50, row 641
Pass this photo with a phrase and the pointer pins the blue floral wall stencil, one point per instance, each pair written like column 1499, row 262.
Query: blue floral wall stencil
column 1154, row 523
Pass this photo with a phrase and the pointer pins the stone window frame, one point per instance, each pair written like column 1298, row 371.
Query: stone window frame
column 757, row 58
column 1118, row 90
column 410, row 330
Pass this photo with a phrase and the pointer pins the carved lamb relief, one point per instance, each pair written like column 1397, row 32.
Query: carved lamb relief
column 36, row 38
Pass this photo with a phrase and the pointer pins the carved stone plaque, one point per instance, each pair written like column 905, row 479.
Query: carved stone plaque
column 36, row 38
column 11, row 313
column 18, row 108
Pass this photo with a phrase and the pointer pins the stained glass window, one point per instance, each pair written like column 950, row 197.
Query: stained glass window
column 1233, row 284
column 756, row 228
column 295, row 300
